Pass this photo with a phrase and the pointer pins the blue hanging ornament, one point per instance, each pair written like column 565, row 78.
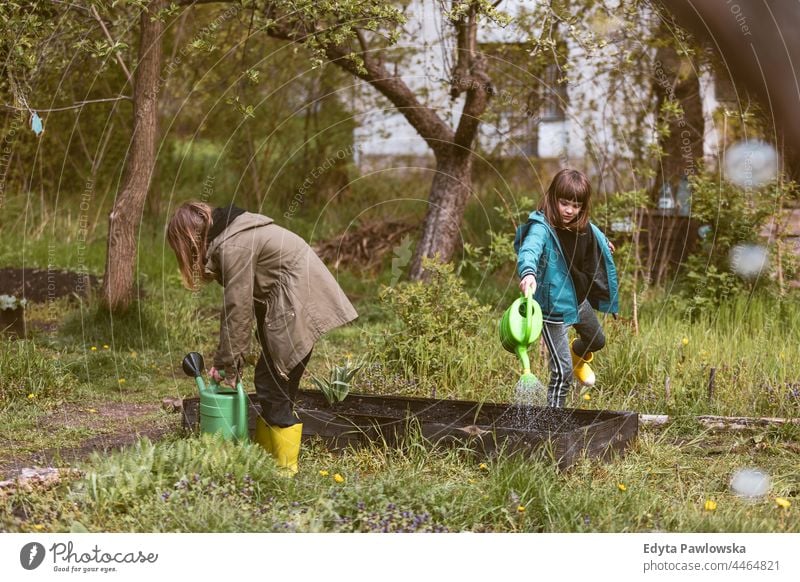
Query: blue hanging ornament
column 36, row 124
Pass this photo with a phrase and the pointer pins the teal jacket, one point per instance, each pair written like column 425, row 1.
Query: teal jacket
column 539, row 254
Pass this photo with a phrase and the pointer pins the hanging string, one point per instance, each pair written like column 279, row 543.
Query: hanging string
column 36, row 121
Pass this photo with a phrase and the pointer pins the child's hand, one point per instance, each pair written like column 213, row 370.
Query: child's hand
column 611, row 247
column 528, row 282
column 219, row 379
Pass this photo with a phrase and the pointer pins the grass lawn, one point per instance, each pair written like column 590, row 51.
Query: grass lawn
column 85, row 380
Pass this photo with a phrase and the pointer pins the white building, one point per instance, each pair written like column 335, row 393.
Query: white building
column 568, row 117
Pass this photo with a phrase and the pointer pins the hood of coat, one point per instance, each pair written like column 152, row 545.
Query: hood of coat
column 243, row 222
column 538, row 216
column 535, row 217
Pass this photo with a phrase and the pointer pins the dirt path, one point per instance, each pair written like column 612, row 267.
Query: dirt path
column 114, row 425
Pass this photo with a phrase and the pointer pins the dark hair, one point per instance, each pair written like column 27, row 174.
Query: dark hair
column 570, row 185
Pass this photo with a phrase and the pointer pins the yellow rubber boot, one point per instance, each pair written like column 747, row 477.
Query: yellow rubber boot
column 286, row 446
column 263, row 436
column 580, row 367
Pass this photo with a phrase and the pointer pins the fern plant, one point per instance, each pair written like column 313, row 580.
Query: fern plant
column 336, row 387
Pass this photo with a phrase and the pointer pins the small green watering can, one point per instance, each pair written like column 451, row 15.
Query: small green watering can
column 519, row 327
column 222, row 409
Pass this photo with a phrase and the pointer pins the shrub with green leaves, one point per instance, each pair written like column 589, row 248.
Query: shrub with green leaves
column 731, row 216
column 439, row 310
column 441, row 328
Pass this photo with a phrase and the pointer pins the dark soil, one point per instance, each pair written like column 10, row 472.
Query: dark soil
column 42, row 285
column 119, row 424
column 528, row 418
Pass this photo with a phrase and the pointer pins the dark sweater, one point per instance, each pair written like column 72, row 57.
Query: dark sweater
column 220, row 219
column 579, row 250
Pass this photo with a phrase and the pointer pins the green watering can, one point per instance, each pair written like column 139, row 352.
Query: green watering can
column 222, row 409
column 519, row 327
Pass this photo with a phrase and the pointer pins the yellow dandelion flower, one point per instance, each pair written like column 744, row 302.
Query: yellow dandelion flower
column 685, row 341
column 38, row 527
column 622, row 487
column 338, row 478
column 471, row 481
column 521, row 508
column 93, row 348
column 92, row 411
column 121, row 380
column 587, row 396
column 134, row 355
column 31, row 396
column 323, row 473
column 783, row 502
column 105, row 346
column 710, row 505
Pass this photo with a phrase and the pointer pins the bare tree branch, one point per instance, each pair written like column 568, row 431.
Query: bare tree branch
column 362, row 40
column 436, row 133
column 475, row 104
column 111, row 40
column 77, row 105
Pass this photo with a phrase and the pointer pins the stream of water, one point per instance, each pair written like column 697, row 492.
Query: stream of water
column 530, row 403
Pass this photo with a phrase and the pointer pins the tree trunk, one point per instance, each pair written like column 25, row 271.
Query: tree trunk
column 675, row 80
column 123, row 221
column 450, row 191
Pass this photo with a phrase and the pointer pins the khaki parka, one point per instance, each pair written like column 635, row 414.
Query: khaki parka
column 257, row 261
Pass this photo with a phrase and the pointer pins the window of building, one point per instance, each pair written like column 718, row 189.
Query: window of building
column 554, row 95
column 527, row 91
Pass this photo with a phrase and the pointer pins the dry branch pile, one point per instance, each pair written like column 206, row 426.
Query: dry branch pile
column 365, row 246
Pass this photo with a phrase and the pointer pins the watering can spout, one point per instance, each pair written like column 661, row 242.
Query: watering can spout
column 522, row 354
column 193, row 366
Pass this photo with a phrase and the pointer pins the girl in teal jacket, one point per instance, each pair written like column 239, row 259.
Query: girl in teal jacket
column 567, row 262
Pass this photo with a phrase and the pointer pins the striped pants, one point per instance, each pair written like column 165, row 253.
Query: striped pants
column 590, row 339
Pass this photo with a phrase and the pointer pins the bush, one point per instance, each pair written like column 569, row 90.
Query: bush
column 444, row 338
column 436, row 311
column 729, row 216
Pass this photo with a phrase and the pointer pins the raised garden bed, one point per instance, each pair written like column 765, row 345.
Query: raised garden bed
column 12, row 322
column 485, row 427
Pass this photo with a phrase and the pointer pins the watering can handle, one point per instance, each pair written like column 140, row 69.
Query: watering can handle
column 529, row 314
column 215, row 385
